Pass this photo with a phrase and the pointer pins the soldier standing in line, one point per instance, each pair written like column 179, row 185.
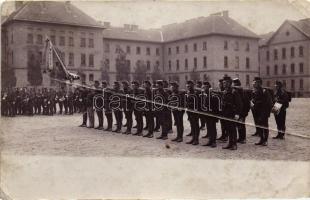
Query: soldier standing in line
column 164, row 112
column 282, row 98
column 70, row 101
column 232, row 107
column 224, row 135
column 83, row 101
column 156, row 114
column 99, row 105
column 4, row 103
column 61, row 99
column 178, row 97
column 90, row 107
column 244, row 112
column 117, row 110
column 199, row 86
column 137, row 110
column 66, row 101
column 19, row 101
column 193, row 104
column 149, row 113
column 261, row 104
column 10, row 102
column 211, row 107
column 107, row 107
column 169, row 115
column 44, row 103
column 127, row 106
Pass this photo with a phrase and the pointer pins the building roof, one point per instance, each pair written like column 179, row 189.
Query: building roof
column 53, row 12
column 264, row 38
column 218, row 23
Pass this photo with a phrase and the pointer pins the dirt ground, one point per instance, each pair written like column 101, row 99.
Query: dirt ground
column 60, row 135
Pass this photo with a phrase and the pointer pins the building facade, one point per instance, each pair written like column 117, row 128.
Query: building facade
column 285, row 56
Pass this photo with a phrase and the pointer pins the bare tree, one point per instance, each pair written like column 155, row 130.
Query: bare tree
column 122, row 65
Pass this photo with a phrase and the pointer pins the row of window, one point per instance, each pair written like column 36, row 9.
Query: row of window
column 301, row 84
column 91, row 58
column 148, row 50
column 61, row 41
column 128, row 63
column 284, row 69
column 284, row 54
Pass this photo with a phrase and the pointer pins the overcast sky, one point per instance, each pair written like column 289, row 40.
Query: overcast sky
column 260, row 16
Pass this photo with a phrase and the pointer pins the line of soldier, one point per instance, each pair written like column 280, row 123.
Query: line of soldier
column 31, row 101
column 231, row 110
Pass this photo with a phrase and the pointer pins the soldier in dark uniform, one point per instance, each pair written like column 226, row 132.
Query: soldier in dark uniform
column 281, row 97
column 168, row 91
column 138, row 111
column 149, row 113
column 45, row 101
column 107, row 107
column 261, row 104
column 211, row 107
column 163, row 112
column 51, row 102
column 127, row 106
column 4, row 103
column 199, row 86
column 244, row 112
column 99, row 105
column 224, row 135
column 10, row 102
column 90, row 107
column 156, row 114
column 193, row 104
column 70, row 101
column 231, row 109
column 66, row 101
column 116, row 106
column 61, row 99
column 178, row 99
column 19, row 101
column 83, row 101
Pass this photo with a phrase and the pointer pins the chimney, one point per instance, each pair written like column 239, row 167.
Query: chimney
column 127, row 27
column 225, row 13
column 134, row 27
column 106, row 24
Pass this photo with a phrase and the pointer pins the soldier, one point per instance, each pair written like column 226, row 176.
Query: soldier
column 66, row 101
column 4, row 103
column 199, row 86
column 211, row 107
column 45, row 101
column 107, row 108
column 138, row 111
column 83, row 101
column 116, row 106
column 282, row 98
column 261, row 104
column 149, row 113
column 99, row 105
column 168, row 91
column 90, row 107
column 127, row 106
column 224, row 135
column 70, row 101
column 231, row 109
column 193, row 104
column 51, row 102
column 178, row 98
column 156, row 114
column 244, row 112
column 61, row 99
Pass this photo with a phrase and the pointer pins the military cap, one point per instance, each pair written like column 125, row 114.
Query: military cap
column 96, row 82
column 174, row 83
column 116, row 83
column 190, row 82
column 227, row 78
column 104, row 82
column 165, row 82
column 199, row 82
column 160, row 82
column 125, row 83
column 278, row 83
column 147, row 82
column 135, row 83
column 206, row 83
column 221, row 80
column 257, row 78
column 236, row 81
column 83, row 83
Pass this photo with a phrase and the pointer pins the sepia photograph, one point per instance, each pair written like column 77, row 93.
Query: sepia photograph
column 155, row 99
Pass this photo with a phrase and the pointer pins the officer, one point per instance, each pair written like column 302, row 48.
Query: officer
column 231, row 109
column 244, row 112
column 282, row 98
column 127, row 106
column 177, row 97
column 107, row 107
column 168, row 91
column 138, row 110
column 211, row 108
column 161, row 97
column 116, row 106
column 83, row 101
column 261, row 104
column 156, row 114
column 224, row 135
column 99, row 105
column 149, row 113
column 193, row 104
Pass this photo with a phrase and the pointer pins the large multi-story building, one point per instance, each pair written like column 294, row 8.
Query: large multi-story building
column 285, row 56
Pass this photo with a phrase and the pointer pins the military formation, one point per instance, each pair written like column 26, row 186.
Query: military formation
column 158, row 106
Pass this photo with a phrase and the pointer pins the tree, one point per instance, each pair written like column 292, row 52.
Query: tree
column 8, row 78
column 140, row 71
column 194, row 75
column 34, row 68
column 104, row 71
column 156, row 74
column 122, row 65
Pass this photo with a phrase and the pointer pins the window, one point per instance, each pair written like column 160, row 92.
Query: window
column 169, row 51
column 83, row 59
column 284, row 69
column 186, row 48
column 301, row 68
column 148, row 51
column 247, row 63
column 106, row 47
column 247, row 48
column 157, row 51
column 276, row 70
column 195, row 47
column 267, row 55
column 71, row 59
column 169, row 65
column 225, row 45
column 178, row 65
column 225, row 62
column 283, row 53
column 91, row 60
column 236, row 46
column 186, row 64
column 83, row 42
column 195, row 63
column 71, row 42
column 268, row 70
column 128, row 49
column 237, row 62
column 205, row 61
column 301, row 84
column 204, row 46
column 30, row 38
column 247, row 79
column 157, row 63
column 292, row 52
column 39, row 39
column 301, row 51
column 138, row 50
column 90, row 42
column 275, row 54
column 91, row 77
column 148, row 65
column 53, row 39
column 177, row 49
column 293, row 68
column 61, row 41
column 292, row 84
